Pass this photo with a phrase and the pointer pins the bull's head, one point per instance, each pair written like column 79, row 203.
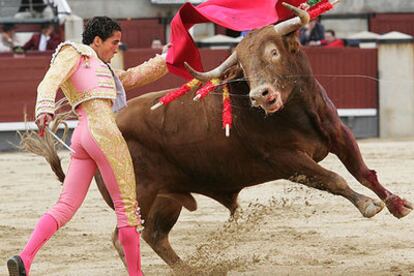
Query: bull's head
column 267, row 58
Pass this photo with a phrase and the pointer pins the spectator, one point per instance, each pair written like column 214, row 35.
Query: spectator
column 156, row 44
column 312, row 34
column 45, row 40
column 8, row 40
column 331, row 40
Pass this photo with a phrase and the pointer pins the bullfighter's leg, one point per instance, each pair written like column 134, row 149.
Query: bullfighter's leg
column 146, row 197
column 102, row 189
column 159, row 221
column 347, row 150
column 308, row 172
column 105, row 144
column 75, row 187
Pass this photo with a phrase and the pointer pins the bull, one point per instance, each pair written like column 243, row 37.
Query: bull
column 180, row 149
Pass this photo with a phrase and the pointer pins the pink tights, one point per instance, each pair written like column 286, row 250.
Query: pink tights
column 82, row 167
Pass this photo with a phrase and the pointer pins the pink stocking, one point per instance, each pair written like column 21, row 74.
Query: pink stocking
column 44, row 229
column 129, row 238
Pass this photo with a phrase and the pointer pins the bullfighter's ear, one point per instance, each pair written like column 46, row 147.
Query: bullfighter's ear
column 292, row 42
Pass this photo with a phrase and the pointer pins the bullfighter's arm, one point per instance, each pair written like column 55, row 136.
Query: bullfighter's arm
column 145, row 73
column 59, row 71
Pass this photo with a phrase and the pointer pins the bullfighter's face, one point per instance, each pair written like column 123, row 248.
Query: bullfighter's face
column 106, row 49
column 266, row 60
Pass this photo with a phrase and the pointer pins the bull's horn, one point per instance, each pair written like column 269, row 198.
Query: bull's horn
column 216, row 72
column 292, row 24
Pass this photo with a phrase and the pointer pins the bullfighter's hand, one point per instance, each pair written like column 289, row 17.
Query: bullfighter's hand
column 42, row 121
column 166, row 47
column 304, row 6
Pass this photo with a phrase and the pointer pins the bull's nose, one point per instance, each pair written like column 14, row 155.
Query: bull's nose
column 257, row 97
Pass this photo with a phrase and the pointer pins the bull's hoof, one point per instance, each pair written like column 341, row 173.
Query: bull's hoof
column 397, row 206
column 371, row 207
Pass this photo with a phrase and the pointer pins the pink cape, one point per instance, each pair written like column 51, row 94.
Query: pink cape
column 238, row 15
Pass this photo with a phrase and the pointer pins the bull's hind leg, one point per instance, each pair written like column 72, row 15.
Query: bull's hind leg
column 161, row 218
column 347, row 150
column 308, row 172
column 118, row 247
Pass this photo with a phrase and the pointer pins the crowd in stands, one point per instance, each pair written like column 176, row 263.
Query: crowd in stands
column 47, row 39
column 50, row 14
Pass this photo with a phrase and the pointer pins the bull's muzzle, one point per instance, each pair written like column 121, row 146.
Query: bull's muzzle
column 266, row 97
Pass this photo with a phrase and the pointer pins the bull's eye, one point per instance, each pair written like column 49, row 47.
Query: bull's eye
column 274, row 53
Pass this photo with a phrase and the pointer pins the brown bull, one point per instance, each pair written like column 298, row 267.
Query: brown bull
column 180, row 149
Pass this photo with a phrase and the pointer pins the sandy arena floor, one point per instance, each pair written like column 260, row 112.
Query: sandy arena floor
column 284, row 228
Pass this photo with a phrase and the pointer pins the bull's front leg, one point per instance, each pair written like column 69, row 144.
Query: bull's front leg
column 304, row 170
column 346, row 148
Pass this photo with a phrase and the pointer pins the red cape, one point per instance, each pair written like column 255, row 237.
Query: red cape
column 238, row 15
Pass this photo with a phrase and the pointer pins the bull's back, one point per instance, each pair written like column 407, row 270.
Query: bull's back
column 137, row 119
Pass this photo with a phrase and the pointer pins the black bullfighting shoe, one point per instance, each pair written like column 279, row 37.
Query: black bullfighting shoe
column 16, row 266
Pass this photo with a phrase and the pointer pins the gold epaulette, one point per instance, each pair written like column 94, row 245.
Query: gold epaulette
column 82, row 49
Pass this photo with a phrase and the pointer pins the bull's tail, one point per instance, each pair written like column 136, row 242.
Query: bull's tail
column 47, row 146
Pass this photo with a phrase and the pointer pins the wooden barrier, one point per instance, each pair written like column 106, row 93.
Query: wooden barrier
column 19, row 78
column 139, row 33
column 349, row 75
column 388, row 22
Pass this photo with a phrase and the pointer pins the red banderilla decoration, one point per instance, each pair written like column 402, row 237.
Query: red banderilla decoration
column 206, row 89
column 173, row 95
column 227, row 115
column 321, row 8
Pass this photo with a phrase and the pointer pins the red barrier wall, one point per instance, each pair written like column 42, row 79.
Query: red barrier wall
column 348, row 74
column 388, row 22
column 19, row 78
column 139, row 33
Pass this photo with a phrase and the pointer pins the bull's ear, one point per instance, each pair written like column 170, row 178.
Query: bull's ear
column 292, row 42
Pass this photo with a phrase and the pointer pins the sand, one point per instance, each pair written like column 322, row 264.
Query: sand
column 283, row 228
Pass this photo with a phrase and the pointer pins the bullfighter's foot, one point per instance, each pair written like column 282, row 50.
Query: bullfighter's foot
column 16, row 266
column 369, row 207
column 397, row 206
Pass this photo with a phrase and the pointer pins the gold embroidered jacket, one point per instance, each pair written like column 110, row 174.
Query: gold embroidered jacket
column 82, row 76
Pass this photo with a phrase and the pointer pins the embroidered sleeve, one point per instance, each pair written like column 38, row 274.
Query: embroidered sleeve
column 59, row 71
column 143, row 74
